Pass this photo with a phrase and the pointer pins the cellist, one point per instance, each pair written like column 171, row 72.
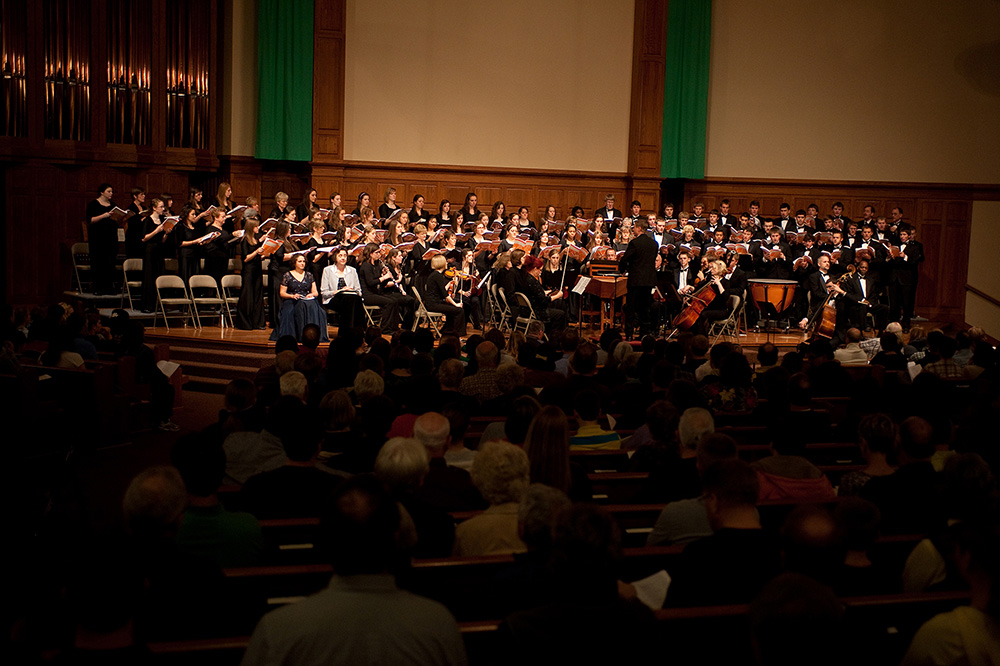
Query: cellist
column 820, row 285
column 720, row 306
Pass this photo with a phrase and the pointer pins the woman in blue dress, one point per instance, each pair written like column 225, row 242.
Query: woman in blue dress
column 300, row 303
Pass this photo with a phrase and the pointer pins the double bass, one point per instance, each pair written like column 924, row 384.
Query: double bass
column 825, row 323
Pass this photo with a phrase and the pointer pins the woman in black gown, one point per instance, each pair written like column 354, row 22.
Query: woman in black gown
column 188, row 231
column 152, row 259
column 250, row 309
column 217, row 250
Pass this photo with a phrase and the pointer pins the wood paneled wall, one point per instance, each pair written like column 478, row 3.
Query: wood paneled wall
column 942, row 215
column 45, row 205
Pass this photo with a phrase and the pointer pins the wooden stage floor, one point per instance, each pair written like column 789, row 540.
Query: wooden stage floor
column 217, row 337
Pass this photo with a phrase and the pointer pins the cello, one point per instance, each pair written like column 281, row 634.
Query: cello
column 697, row 303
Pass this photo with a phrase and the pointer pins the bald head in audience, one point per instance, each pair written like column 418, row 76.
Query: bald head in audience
column 154, row 502
column 433, row 431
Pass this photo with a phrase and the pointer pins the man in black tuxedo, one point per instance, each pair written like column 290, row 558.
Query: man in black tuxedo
column 780, row 267
column 837, row 213
column 785, row 220
column 903, row 276
column 841, row 255
column 639, row 261
column 819, row 285
column 609, row 212
column 862, row 293
column 727, row 218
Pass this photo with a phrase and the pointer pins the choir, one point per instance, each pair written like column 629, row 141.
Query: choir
column 454, row 262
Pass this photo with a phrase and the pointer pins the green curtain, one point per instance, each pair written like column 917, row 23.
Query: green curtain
column 685, row 90
column 284, row 79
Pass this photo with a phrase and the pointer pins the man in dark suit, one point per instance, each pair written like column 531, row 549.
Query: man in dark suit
column 903, row 276
column 609, row 212
column 862, row 293
column 639, row 261
column 779, row 267
column 819, row 286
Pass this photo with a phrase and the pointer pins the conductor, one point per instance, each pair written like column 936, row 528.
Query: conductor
column 639, row 261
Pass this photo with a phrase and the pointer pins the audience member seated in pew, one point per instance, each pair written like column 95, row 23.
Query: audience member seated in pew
column 457, row 455
column 862, row 575
column 909, row 498
column 183, row 592
column 362, row 617
column 877, row 441
column 547, row 446
column 968, row 494
column 590, row 436
column 796, row 620
column 969, row 634
column 686, row 520
column 132, row 343
column 500, row 472
column 671, row 458
column 788, row 475
column 445, row 486
column 240, row 412
column 230, row 539
column 589, row 622
column 514, row 428
column 733, row 564
column 299, row 488
column 402, row 465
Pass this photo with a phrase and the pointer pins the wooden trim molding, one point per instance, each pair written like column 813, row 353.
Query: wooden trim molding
column 992, row 300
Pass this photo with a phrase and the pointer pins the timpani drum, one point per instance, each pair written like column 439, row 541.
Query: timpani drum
column 772, row 297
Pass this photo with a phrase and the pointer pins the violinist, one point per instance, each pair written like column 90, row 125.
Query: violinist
column 438, row 298
column 373, row 276
column 542, row 302
column 466, row 287
column 395, row 287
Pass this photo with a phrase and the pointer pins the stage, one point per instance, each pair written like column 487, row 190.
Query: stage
column 211, row 356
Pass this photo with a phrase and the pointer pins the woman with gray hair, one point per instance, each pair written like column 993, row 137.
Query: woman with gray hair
column 500, row 472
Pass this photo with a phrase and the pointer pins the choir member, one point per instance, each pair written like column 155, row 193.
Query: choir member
column 250, row 308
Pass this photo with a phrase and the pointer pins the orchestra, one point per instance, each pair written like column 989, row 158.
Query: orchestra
column 452, row 259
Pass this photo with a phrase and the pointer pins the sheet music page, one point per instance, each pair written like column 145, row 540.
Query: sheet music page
column 581, row 285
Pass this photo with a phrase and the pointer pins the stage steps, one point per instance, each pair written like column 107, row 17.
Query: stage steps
column 210, row 364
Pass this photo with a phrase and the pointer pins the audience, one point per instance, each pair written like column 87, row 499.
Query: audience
column 307, row 435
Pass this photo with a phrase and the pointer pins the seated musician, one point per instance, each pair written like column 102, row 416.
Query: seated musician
column 541, row 300
column 373, row 275
column 720, row 306
column 820, row 285
column 863, row 295
column 437, row 298
column 683, row 279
